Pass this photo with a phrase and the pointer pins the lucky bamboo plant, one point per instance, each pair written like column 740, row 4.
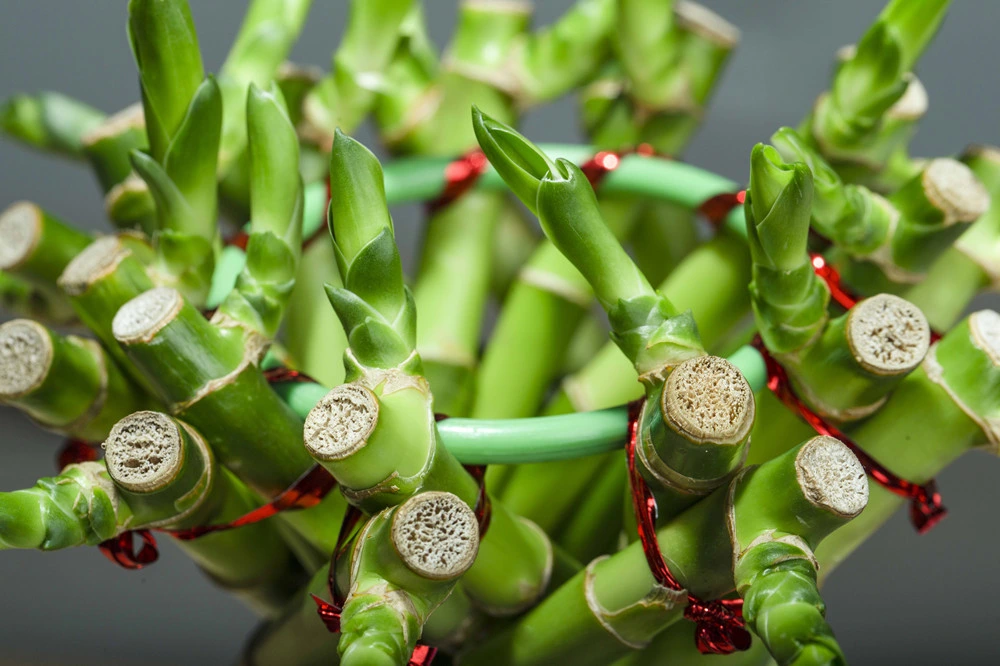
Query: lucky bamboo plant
column 242, row 365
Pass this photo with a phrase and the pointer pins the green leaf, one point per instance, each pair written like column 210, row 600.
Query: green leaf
column 518, row 161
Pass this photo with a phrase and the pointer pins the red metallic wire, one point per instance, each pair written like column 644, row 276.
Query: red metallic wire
column 719, row 625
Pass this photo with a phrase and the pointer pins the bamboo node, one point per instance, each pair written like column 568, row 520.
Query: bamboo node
column 98, row 259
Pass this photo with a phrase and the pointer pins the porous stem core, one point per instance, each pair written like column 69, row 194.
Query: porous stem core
column 25, row 357
column 20, row 230
column 955, row 190
column 913, row 103
column 709, row 400
column 888, row 335
column 142, row 317
column 143, row 451
column 436, row 535
column 831, row 477
column 340, row 423
column 96, row 260
column 702, row 21
column 985, row 327
column 131, row 117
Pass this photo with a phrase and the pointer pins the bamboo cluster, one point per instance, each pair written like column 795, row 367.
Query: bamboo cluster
column 248, row 328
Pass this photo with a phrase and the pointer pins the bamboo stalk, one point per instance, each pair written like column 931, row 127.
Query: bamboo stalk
column 405, row 562
column 165, row 473
column 66, row 384
column 776, row 512
column 207, row 376
column 49, row 121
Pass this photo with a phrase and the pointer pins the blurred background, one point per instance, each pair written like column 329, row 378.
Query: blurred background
column 902, row 598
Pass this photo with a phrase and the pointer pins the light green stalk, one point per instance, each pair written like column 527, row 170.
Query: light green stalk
column 972, row 263
column 405, row 563
column 257, row 303
column 265, row 38
column 49, row 121
column 66, row 384
column 850, row 123
column 207, row 376
column 943, row 410
column 756, row 537
column 932, row 210
column 391, row 448
column 344, row 97
column 23, row 299
column 183, row 117
column 789, row 300
column 36, row 246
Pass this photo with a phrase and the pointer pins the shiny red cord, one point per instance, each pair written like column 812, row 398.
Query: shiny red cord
column 605, row 161
column 926, row 509
column 716, row 209
column 459, row 177
column 75, row 451
column 719, row 625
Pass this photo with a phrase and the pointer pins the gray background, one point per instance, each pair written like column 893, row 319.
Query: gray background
column 901, row 598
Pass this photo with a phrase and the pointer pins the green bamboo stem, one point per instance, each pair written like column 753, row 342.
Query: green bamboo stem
column 108, row 145
column 164, row 472
column 377, row 433
column 80, row 506
column 208, row 377
column 183, row 186
column 257, row 302
column 24, row 299
column 346, row 95
column 938, row 413
column 515, row 241
column 165, row 46
column 49, row 121
column 377, row 436
column 36, row 244
column 971, row 264
column 405, row 563
column 264, row 40
column 852, row 217
column 99, row 280
column 451, row 290
column 314, row 335
column 849, row 122
column 777, row 512
column 849, row 370
column 595, row 525
column 66, row 384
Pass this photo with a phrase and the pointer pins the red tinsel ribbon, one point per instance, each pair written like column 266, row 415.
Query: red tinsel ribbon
column 307, row 491
column 926, row 509
column 605, row 161
column 459, row 177
column 719, row 625
column 75, row 451
column 716, row 209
